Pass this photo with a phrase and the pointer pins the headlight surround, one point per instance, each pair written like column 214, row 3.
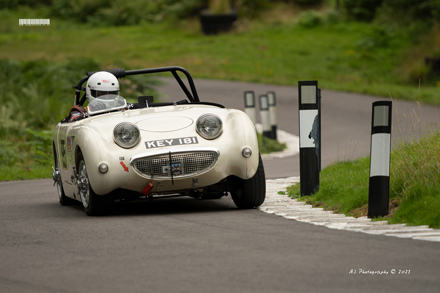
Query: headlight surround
column 209, row 126
column 126, row 135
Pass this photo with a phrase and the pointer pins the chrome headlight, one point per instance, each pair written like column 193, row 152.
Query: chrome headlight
column 126, row 135
column 209, row 126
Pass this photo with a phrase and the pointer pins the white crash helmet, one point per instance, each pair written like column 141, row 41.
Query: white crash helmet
column 100, row 84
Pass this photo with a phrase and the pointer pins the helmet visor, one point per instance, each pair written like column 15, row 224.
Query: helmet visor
column 104, row 94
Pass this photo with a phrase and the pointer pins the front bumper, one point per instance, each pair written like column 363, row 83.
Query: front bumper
column 176, row 170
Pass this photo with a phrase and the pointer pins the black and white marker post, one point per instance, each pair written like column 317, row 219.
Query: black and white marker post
column 309, row 136
column 379, row 189
column 273, row 113
column 265, row 116
column 249, row 105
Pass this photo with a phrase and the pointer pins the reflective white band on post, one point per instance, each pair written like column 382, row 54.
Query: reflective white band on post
column 251, row 113
column 273, row 115
column 380, row 154
column 249, row 104
column 265, row 116
column 306, row 119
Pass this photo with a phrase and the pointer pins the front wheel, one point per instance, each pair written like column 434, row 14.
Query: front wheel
column 251, row 193
column 94, row 205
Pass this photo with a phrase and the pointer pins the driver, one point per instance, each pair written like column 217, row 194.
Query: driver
column 102, row 91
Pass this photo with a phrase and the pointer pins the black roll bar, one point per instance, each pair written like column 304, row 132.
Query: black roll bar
column 121, row 72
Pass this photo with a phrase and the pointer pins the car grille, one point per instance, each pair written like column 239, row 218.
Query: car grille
column 182, row 164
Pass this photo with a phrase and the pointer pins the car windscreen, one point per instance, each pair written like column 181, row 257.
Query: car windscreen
column 106, row 103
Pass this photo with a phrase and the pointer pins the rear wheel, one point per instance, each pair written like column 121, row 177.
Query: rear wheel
column 64, row 200
column 251, row 193
column 94, row 205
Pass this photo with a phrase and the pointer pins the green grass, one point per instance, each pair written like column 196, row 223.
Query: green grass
column 26, row 171
column 348, row 56
column 414, row 185
column 28, row 156
column 268, row 145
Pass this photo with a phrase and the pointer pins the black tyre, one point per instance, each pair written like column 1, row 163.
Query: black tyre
column 64, row 200
column 94, row 205
column 251, row 193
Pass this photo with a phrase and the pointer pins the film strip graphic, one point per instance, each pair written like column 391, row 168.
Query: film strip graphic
column 33, row 22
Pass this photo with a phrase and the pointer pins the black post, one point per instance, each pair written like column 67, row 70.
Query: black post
column 309, row 136
column 379, row 188
column 318, row 152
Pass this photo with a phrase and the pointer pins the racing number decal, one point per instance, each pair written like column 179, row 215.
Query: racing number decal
column 63, row 153
column 63, row 148
column 70, row 153
column 69, row 143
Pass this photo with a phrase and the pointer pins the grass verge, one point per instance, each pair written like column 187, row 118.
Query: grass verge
column 26, row 157
column 347, row 56
column 29, row 171
column 414, row 185
column 268, row 145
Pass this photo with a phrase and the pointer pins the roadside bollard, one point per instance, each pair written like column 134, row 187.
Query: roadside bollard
column 309, row 98
column 273, row 113
column 249, row 105
column 265, row 116
column 379, row 185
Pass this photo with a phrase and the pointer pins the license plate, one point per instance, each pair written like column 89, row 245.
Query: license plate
column 170, row 142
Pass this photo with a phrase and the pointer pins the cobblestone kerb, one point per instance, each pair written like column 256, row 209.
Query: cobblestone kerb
column 284, row 206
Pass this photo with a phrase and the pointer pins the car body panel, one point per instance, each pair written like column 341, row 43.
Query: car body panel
column 93, row 137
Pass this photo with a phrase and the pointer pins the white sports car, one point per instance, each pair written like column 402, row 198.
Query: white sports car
column 113, row 150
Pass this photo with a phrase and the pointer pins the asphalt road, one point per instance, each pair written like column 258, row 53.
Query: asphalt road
column 189, row 245
column 346, row 118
